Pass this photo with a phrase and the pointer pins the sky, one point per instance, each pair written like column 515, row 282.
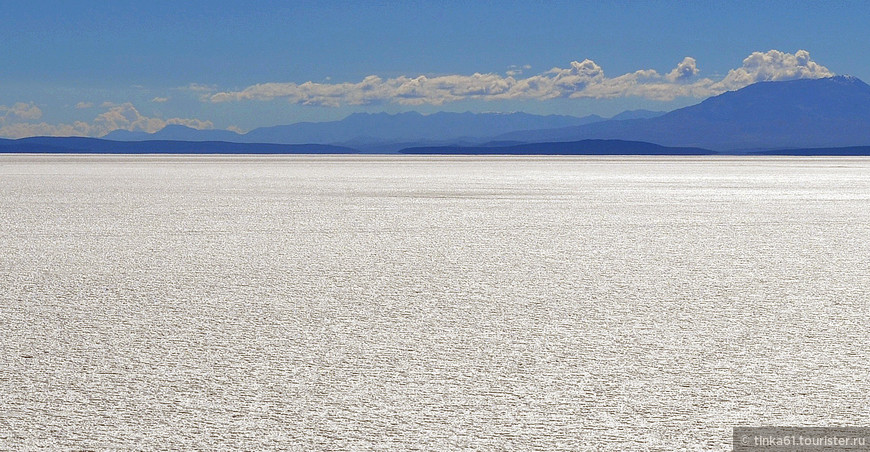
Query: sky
column 87, row 68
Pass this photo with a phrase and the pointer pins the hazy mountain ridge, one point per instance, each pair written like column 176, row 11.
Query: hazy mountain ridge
column 368, row 129
column 412, row 126
column 807, row 113
column 637, row 114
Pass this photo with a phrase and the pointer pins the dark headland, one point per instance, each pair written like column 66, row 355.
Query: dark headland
column 583, row 147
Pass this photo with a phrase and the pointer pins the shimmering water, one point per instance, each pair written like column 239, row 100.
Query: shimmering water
column 436, row 303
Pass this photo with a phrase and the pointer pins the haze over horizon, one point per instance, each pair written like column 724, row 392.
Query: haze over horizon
column 88, row 69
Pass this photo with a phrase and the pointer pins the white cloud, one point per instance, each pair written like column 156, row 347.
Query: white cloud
column 584, row 79
column 422, row 89
column 126, row 117
column 118, row 116
column 159, row 100
column 515, row 70
column 20, row 110
column 83, row 105
column 774, row 66
column 29, row 129
column 687, row 69
column 199, row 88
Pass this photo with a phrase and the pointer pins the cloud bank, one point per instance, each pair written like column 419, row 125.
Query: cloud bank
column 581, row 79
column 584, row 79
column 118, row 116
column 20, row 110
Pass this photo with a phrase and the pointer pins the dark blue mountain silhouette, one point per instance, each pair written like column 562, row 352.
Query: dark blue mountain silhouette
column 584, row 147
column 79, row 145
column 127, row 135
column 829, row 112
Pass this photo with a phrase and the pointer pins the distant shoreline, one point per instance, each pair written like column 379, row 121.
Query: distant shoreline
column 79, row 145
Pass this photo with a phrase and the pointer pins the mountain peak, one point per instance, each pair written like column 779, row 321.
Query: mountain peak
column 849, row 80
column 838, row 96
column 825, row 112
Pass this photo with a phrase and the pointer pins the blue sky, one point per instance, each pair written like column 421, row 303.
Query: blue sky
column 84, row 68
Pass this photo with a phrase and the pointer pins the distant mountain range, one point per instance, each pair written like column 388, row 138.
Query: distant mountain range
column 828, row 112
column 365, row 128
column 829, row 116
column 637, row 114
column 584, row 147
column 368, row 130
column 79, row 145
column 383, row 132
